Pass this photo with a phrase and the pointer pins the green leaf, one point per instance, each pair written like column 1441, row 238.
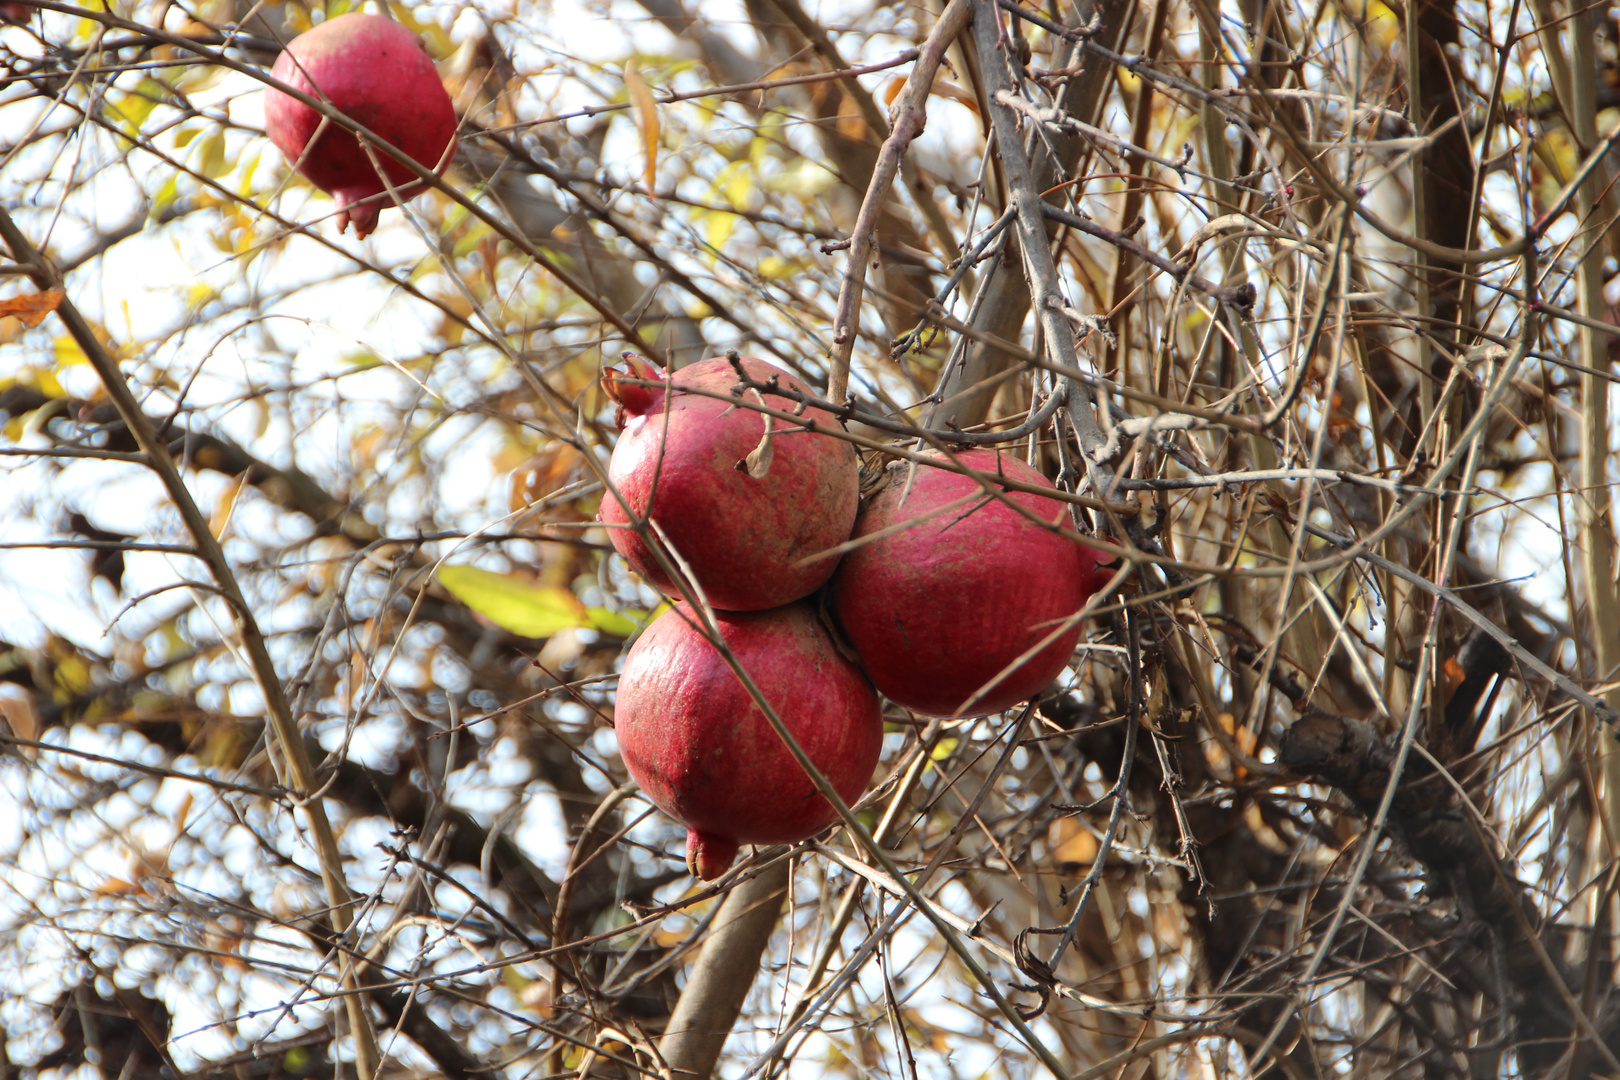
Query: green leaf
column 513, row 603
column 615, row 623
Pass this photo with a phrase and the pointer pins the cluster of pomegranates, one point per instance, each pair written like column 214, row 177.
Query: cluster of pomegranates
column 954, row 599
column 377, row 73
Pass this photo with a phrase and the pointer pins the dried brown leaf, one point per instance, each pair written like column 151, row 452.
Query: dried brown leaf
column 33, row 307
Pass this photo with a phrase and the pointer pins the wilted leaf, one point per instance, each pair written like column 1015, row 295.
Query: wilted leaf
column 646, row 113
column 548, row 470
column 514, row 603
column 1071, row 842
column 33, row 307
column 956, row 94
column 19, row 712
column 226, row 507
column 758, row 462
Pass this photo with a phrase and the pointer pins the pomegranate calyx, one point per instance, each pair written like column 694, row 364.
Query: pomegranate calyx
column 707, row 855
column 633, row 399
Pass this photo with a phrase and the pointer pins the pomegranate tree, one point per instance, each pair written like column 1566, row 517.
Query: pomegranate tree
column 702, row 749
column 939, row 609
column 739, row 499
column 376, row 72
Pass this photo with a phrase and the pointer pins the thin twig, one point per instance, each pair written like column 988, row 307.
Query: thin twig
column 301, row 774
column 910, row 114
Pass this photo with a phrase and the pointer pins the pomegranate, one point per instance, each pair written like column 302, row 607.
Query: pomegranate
column 16, row 14
column 739, row 501
column 702, row 750
column 376, row 72
column 936, row 611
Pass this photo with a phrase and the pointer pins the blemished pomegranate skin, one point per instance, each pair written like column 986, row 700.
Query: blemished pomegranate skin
column 682, row 460
column 702, row 749
column 377, row 73
column 938, row 609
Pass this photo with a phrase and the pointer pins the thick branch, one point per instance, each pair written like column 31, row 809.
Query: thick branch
column 725, row 969
column 1039, row 269
column 968, row 392
column 1425, row 815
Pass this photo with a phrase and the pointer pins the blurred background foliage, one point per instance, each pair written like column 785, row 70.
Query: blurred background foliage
column 1299, row 813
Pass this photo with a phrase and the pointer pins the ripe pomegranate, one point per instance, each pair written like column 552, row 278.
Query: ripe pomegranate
column 702, row 750
column 738, row 507
column 377, row 73
column 936, row 611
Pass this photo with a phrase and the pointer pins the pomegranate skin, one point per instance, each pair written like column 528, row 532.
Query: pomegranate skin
column 702, row 750
column 377, row 73
column 678, row 460
column 937, row 610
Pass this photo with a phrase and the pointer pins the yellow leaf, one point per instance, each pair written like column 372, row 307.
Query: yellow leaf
column 774, row 266
column 514, row 603
column 137, row 105
column 72, row 674
column 646, row 114
column 211, row 156
column 718, row 228
column 67, row 352
column 736, row 182
column 43, row 381
column 803, row 177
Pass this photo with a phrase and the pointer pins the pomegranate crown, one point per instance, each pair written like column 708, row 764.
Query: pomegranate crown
column 633, row 400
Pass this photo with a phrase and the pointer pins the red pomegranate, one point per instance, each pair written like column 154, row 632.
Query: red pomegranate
column 738, row 508
column 938, row 610
column 376, row 72
column 702, row 750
